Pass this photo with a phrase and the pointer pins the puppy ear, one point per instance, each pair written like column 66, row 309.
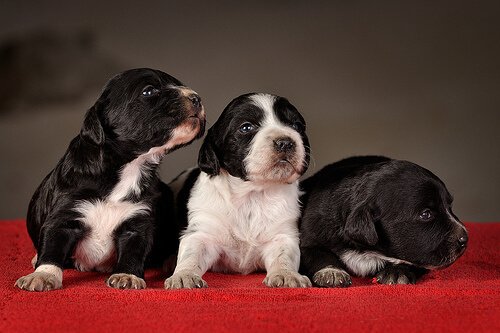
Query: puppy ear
column 360, row 226
column 92, row 131
column 207, row 158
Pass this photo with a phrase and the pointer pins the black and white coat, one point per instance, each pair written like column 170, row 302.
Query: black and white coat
column 241, row 206
column 103, row 206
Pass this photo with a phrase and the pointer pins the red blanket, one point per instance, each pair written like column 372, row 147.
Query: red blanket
column 462, row 298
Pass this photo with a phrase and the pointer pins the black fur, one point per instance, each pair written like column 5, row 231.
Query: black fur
column 375, row 204
column 124, row 123
column 226, row 147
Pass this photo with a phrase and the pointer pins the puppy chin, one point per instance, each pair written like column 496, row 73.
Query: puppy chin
column 447, row 261
column 282, row 172
column 190, row 129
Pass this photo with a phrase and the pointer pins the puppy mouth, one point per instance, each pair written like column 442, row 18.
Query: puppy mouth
column 286, row 163
column 448, row 260
column 198, row 122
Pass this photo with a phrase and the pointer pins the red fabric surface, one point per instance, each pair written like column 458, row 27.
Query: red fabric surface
column 462, row 298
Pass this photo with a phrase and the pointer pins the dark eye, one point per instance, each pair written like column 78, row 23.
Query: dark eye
column 150, row 91
column 298, row 126
column 246, row 127
column 426, row 215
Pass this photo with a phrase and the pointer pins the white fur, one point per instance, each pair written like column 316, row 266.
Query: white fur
column 97, row 250
column 239, row 226
column 51, row 269
column 243, row 226
column 262, row 158
column 367, row 263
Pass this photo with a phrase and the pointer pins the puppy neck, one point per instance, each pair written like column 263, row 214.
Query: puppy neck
column 239, row 189
column 136, row 175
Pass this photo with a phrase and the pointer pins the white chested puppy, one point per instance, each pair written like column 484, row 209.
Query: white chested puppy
column 241, row 206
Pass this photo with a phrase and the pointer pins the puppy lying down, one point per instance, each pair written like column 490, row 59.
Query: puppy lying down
column 103, row 204
column 241, row 206
column 377, row 216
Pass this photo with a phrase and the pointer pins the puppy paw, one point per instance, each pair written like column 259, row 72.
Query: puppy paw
column 185, row 280
column 286, row 279
column 39, row 281
column 332, row 277
column 396, row 275
column 125, row 281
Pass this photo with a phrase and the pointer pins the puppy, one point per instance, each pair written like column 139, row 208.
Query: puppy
column 377, row 216
column 241, row 206
column 101, row 205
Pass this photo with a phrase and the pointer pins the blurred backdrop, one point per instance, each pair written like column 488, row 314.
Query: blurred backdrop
column 412, row 80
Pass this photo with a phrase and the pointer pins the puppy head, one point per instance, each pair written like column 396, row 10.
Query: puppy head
column 405, row 212
column 144, row 108
column 258, row 137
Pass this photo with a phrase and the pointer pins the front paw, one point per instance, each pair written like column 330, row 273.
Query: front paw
column 185, row 280
column 332, row 277
column 396, row 275
column 125, row 281
column 39, row 281
column 286, row 279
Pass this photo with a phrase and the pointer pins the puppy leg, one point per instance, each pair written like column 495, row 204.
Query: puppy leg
column 281, row 259
column 132, row 247
column 196, row 255
column 56, row 244
column 400, row 274
column 323, row 267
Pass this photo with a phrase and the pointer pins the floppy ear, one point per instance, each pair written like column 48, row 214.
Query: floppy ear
column 360, row 225
column 208, row 160
column 92, row 131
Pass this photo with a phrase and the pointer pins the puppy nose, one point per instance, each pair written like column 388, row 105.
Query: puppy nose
column 284, row 145
column 195, row 99
column 462, row 241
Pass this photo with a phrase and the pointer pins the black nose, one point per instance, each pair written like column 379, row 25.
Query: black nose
column 284, row 145
column 463, row 240
column 195, row 99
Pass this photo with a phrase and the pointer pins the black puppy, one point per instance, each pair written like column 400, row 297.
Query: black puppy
column 377, row 216
column 101, row 205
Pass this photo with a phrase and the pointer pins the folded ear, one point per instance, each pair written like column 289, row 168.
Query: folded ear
column 360, row 225
column 208, row 161
column 92, row 131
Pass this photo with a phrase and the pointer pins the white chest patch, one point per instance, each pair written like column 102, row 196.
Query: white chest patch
column 240, row 219
column 101, row 217
column 97, row 250
column 366, row 263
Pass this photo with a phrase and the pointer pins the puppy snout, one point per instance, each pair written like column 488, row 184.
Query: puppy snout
column 462, row 240
column 195, row 100
column 284, row 145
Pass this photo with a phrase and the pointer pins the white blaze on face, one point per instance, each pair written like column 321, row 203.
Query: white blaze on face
column 263, row 163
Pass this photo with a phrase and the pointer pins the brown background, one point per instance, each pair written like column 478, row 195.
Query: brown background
column 416, row 81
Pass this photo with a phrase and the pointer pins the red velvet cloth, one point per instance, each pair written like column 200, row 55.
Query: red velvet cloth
column 462, row 298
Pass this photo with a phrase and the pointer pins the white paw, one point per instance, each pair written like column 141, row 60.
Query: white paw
column 125, row 281
column 332, row 277
column 185, row 280
column 39, row 281
column 286, row 279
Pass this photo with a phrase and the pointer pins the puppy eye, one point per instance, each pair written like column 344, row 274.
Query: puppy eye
column 246, row 127
column 426, row 215
column 150, row 91
column 298, row 126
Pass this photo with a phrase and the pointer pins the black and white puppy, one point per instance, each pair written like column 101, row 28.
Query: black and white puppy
column 377, row 216
column 101, row 205
column 242, row 205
